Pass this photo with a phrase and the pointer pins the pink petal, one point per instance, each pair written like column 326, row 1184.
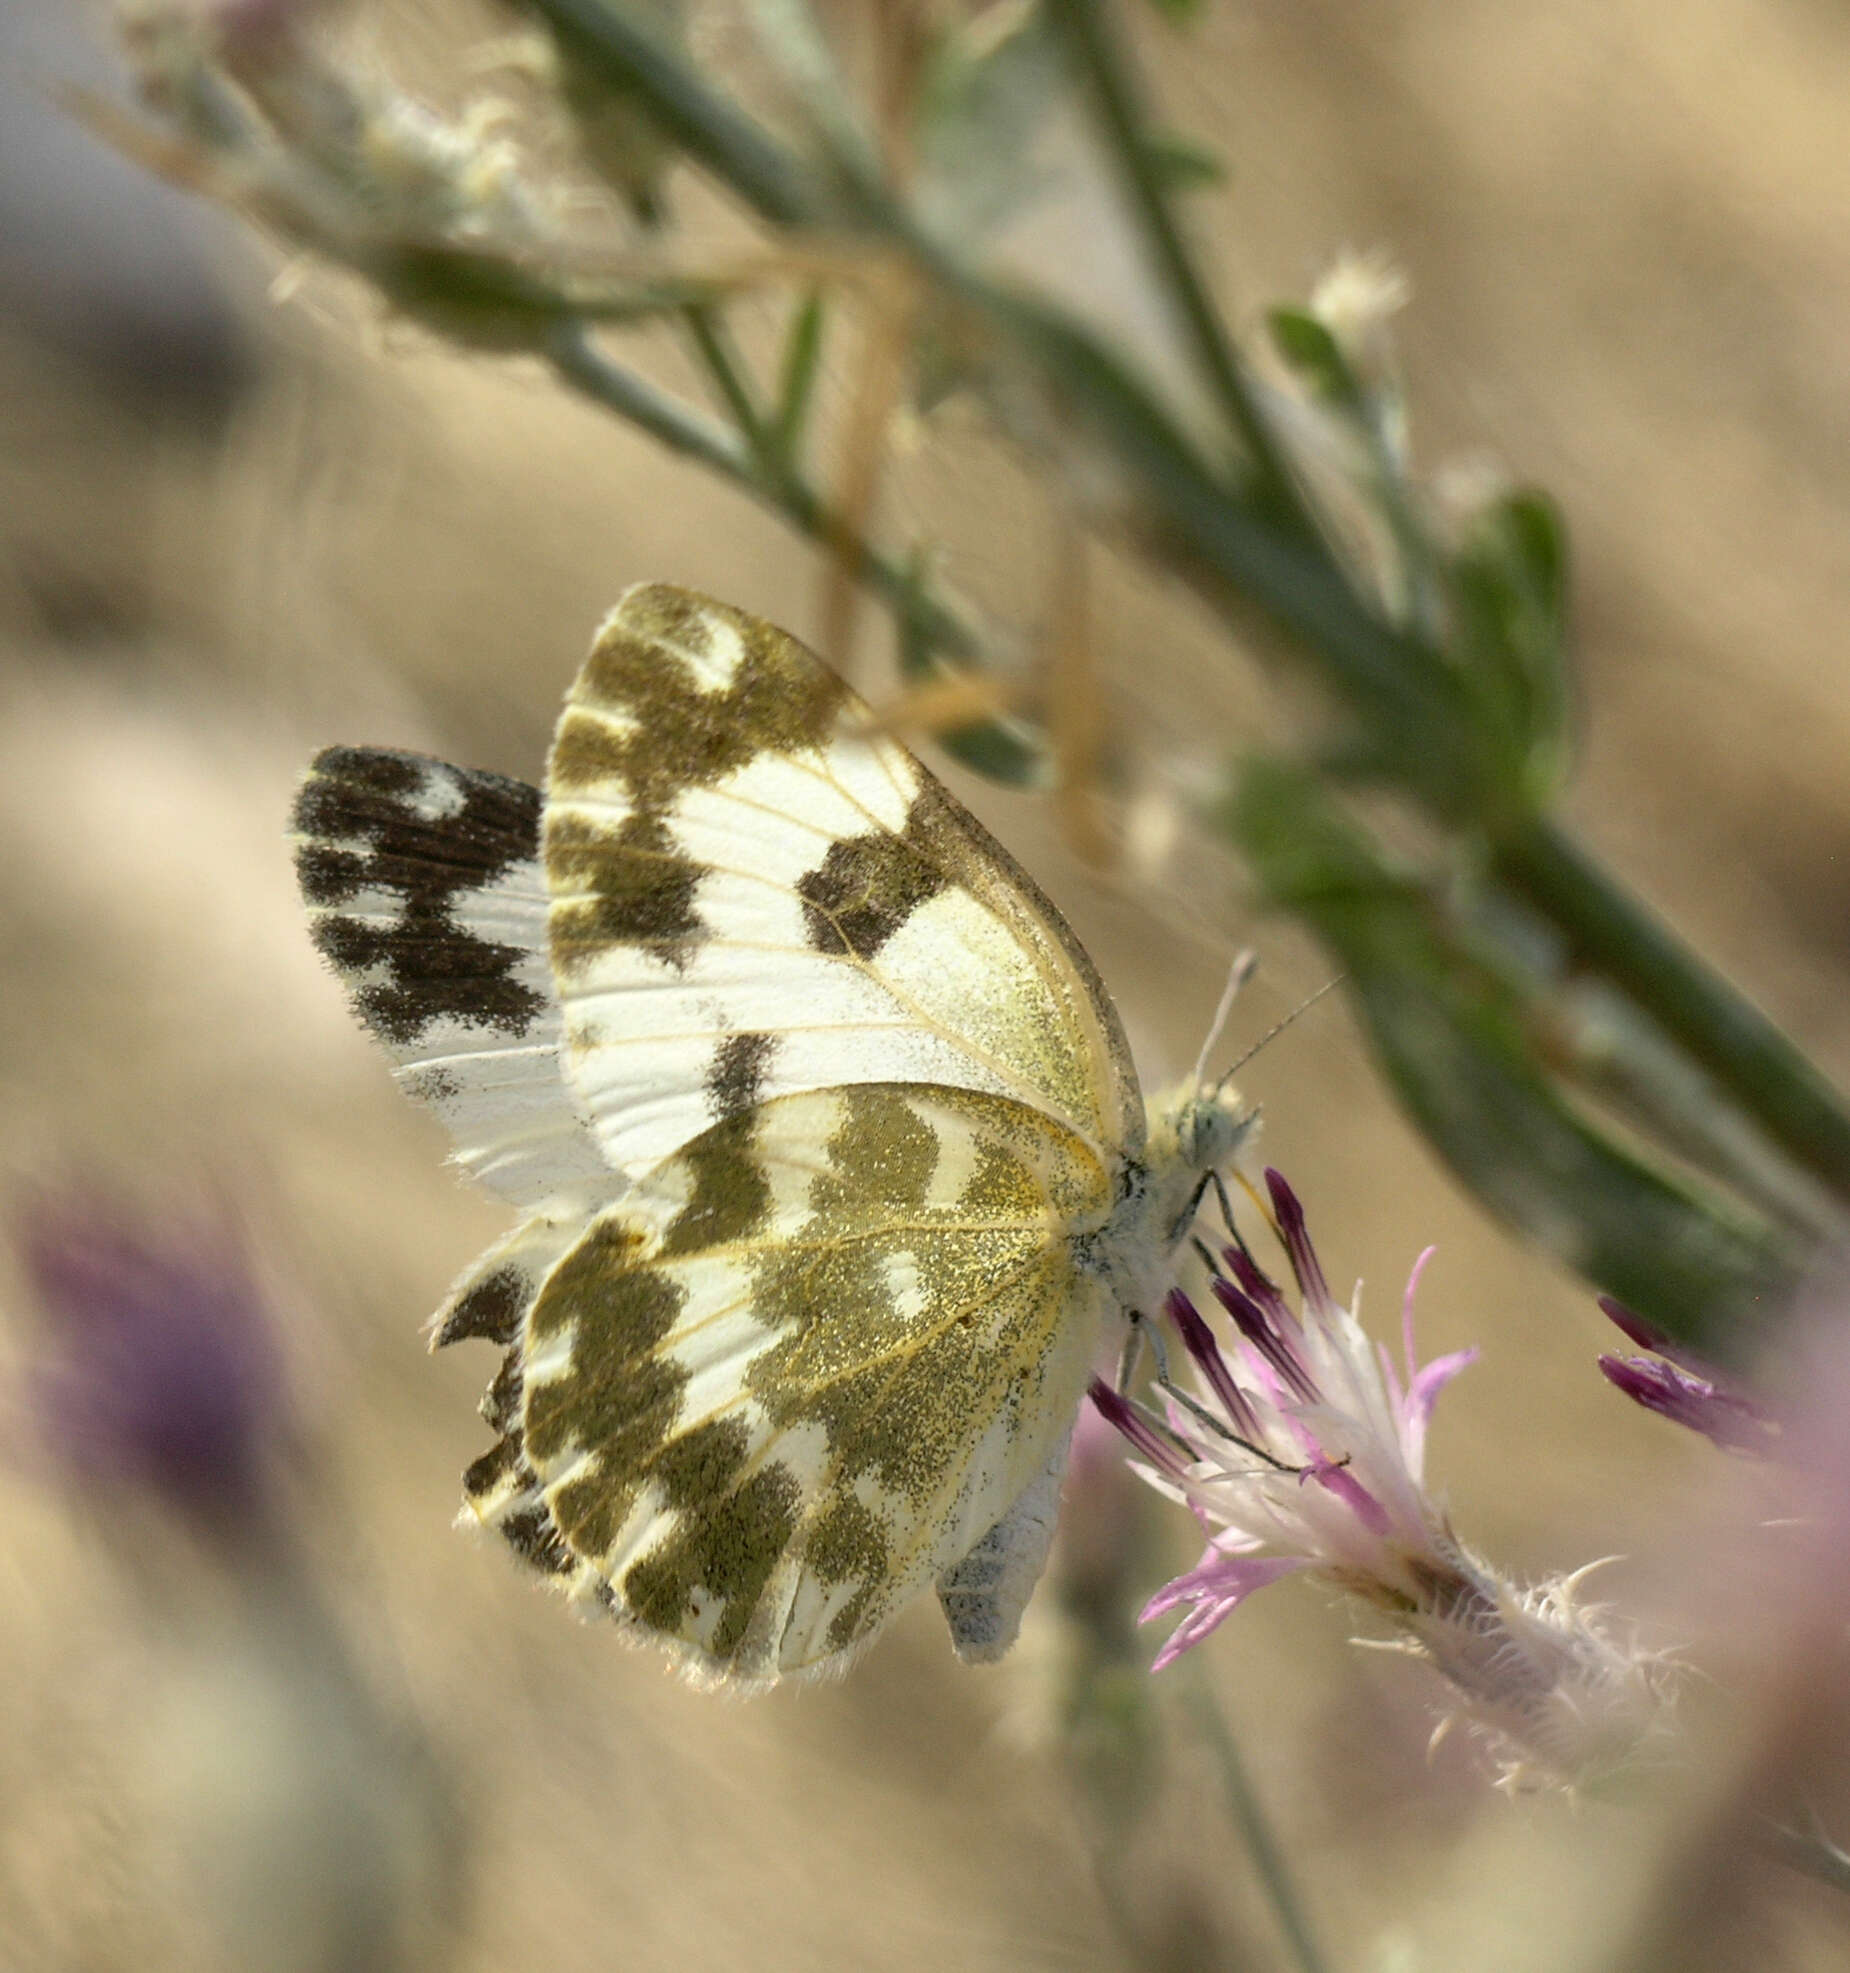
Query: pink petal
column 1217, row 1586
column 1417, row 1406
column 1188, row 1633
column 1348, row 1489
column 1406, row 1313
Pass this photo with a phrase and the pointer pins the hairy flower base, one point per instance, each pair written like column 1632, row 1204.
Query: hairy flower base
column 1303, row 1450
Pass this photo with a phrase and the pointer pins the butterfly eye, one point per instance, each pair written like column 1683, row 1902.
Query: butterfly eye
column 1212, row 1129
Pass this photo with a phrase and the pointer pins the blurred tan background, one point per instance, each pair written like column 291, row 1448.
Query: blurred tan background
column 231, row 532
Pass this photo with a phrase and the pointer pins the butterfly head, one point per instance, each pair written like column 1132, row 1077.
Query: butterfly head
column 1194, row 1129
column 1197, row 1127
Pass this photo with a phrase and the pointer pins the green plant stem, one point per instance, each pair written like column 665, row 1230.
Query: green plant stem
column 1615, row 935
column 1250, row 1819
column 1107, row 72
column 692, row 116
column 574, row 355
column 1212, row 537
column 1243, row 563
column 716, row 351
column 577, row 360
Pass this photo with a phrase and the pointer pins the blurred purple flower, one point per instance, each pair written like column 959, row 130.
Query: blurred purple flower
column 158, row 1366
column 1302, row 1450
column 1678, row 1384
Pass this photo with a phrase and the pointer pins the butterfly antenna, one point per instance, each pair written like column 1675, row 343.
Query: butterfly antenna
column 1277, row 1028
column 1245, row 964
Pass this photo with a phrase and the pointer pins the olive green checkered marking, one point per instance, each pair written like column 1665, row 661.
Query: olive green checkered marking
column 643, row 726
column 729, row 1538
column 906, row 1312
column 624, row 886
column 670, row 729
column 620, row 1397
column 869, row 885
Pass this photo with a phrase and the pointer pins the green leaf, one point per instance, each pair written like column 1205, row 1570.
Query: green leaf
column 797, row 376
column 1315, row 356
column 486, row 299
column 1508, row 612
column 1184, row 163
column 1006, row 751
column 1450, row 1032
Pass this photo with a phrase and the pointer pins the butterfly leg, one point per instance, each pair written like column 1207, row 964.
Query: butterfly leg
column 1143, row 1330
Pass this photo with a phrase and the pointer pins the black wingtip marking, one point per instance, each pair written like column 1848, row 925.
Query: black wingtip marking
column 435, row 969
column 381, row 770
column 490, row 1310
column 425, row 835
column 531, row 1533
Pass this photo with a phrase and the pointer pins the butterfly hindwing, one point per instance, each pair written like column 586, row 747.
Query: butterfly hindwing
column 755, row 894
column 426, row 895
column 809, row 1364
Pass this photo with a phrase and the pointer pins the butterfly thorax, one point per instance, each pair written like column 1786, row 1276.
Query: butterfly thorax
column 1193, row 1132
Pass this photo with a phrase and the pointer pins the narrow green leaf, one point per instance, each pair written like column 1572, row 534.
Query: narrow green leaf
column 1307, row 345
column 1184, row 163
column 1005, row 751
column 797, row 376
column 1508, row 611
column 473, row 294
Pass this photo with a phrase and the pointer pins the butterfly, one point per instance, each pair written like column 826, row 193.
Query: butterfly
column 833, row 1170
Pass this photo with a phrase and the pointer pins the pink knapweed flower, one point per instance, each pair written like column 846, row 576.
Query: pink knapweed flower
column 1302, row 1450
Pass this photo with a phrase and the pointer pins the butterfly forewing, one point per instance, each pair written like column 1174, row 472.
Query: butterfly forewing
column 754, row 895
column 804, row 1368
